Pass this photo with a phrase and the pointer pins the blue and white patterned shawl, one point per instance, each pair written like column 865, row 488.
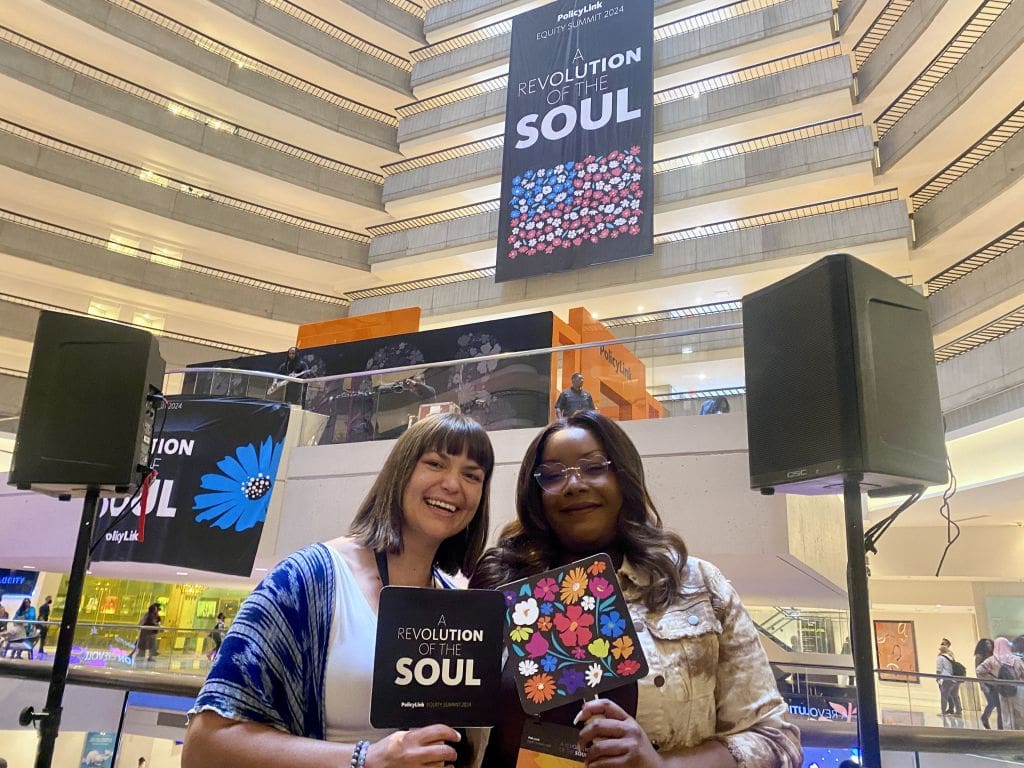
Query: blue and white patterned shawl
column 272, row 665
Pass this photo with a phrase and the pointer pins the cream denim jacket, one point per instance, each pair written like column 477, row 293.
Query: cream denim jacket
column 709, row 676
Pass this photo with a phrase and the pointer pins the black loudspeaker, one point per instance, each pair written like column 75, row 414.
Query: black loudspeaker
column 841, row 383
column 86, row 421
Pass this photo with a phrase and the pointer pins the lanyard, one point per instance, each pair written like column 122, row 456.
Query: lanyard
column 382, row 567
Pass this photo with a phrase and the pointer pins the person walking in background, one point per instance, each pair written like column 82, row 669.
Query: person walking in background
column 1005, row 669
column 44, row 628
column 982, row 651
column 947, row 668
column 573, row 399
column 146, row 645
column 217, row 635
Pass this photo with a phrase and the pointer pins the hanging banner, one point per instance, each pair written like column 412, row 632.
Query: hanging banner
column 217, row 461
column 577, row 175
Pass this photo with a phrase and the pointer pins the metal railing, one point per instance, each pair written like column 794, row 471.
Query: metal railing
column 455, row 42
column 952, row 53
column 695, row 88
column 878, row 29
column 451, row 214
column 244, row 60
column 1005, row 130
column 13, row 372
column 169, row 182
column 1006, row 242
column 33, row 304
column 179, row 109
column 767, row 141
column 777, row 217
column 426, row 282
column 710, row 17
column 453, row 96
column 681, row 313
column 164, row 261
column 689, row 90
column 341, row 35
column 704, row 394
column 1011, row 321
column 460, row 150
column 411, row 8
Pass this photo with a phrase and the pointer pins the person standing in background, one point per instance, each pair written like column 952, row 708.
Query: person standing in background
column 44, row 628
column 574, row 399
column 984, row 650
column 949, row 688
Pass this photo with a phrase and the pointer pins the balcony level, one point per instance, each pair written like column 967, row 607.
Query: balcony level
column 799, row 87
column 982, row 60
column 678, row 45
column 822, row 151
column 44, row 157
column 231, row 68
column 40, row 67
column 685, row 264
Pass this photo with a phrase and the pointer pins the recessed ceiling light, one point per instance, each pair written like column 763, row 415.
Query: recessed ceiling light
column 28, row 568
column 687, row 350
column 639, row 307
column 702, row 376
column 261, row 570
column 181, row 573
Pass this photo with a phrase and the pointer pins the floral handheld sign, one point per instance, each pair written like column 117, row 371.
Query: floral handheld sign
column 569, row 635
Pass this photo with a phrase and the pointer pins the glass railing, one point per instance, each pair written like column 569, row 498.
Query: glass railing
column 116, row 646
column 804, row 630
column 656, row 375
column 825, row 692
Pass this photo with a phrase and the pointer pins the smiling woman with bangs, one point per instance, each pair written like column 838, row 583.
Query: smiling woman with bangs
column 291, row 683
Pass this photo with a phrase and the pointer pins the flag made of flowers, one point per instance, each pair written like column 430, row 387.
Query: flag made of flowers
column 569, row 635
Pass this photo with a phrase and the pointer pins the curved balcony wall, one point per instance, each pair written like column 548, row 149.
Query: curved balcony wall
column 765, row 86
column 717, row 170
column 103, row 93
column 676, row 45
column 45, row 158
column 942, row 88
column 41, row 243
column 402, row 16
column 750, row 243
column 896, row 41
column 295, row 25
column 215, row 61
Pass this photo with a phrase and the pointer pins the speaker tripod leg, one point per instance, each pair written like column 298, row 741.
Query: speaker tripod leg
column 49, row 718
column 860, row 627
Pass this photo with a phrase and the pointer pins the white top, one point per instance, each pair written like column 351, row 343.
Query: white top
column 349, row 675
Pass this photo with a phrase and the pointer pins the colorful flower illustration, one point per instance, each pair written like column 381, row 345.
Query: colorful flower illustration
column 540, row 688
column 526, row 612
column 579, row 653
column 549, row 663
column 572, row 680
column 510, row 597
column 519, row 634
column 574, row 202
column 546, row 589
column 574, row 586
column 574, row 626
column 544, row 624
column 599, row 648
column 588, row 603
column 628, row 667
column 527, row 667
column 597, row 567
column 622, row 648
column 547, row 608
column 601, row 587
column 594, row 675
column 238, row 497
column 612, row 624
column 537, row 646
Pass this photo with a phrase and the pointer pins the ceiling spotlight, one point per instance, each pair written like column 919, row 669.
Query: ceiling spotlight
column 687, row 350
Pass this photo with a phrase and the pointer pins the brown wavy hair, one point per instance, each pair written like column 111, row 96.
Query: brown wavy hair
column 528, row 544
column 378, row 521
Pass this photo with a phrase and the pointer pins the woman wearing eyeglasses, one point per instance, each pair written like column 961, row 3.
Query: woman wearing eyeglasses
column 710, row 699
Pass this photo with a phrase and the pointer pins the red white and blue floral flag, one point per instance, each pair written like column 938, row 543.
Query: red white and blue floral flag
column 569, row 635
column 577, row 169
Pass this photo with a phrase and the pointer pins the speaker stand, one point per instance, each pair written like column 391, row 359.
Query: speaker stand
column 860, row 626
column 49, row 719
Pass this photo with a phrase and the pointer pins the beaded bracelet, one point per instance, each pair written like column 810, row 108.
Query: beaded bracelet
column 359, row 754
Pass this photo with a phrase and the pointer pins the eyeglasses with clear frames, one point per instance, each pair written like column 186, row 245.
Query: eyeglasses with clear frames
column 553, row 477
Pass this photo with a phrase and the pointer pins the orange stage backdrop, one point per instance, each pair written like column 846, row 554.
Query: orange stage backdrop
column 357, row 328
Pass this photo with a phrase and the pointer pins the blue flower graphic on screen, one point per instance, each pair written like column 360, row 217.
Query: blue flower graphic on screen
column 238, row 497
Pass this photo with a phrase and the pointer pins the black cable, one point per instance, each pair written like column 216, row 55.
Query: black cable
column 945, row 512
column 876, row 531
column 134, row 498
